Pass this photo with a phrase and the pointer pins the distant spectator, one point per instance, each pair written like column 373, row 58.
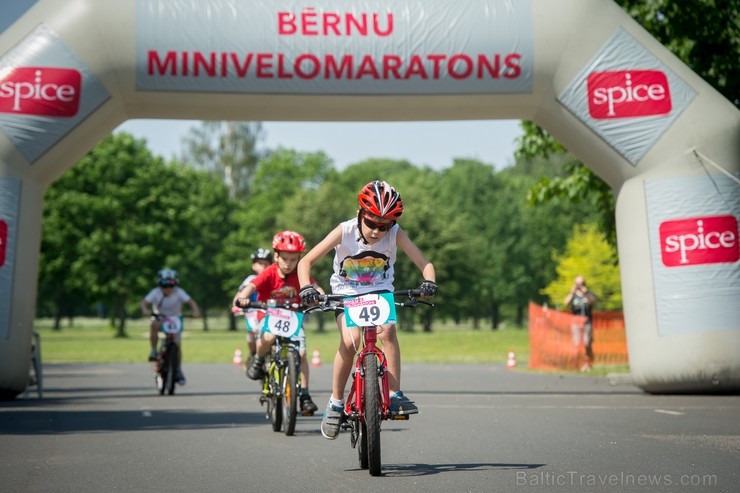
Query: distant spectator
column 581, row 302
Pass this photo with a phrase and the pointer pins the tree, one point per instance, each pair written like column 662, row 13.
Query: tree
column 228, row 149
column 101, row 200
column 476, row 264
column 704, row 34
column 279, row 180
column 58, row 291
column 587, row 253
column 531, row 233
column 119, row 215
column 203, row 222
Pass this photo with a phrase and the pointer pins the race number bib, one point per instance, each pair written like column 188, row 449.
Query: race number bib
column 172, row 325
column 370, row 309
column 254, row 319
column 282, row 322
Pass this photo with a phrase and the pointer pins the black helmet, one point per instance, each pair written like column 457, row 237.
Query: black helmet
column 262, row 254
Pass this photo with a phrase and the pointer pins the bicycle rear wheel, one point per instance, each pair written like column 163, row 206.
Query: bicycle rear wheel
column 276, row 400
column 290, row 392
column 371, row 427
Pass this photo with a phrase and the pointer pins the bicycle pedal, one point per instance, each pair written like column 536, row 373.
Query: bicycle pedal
column 400, row 417
column 311, row 413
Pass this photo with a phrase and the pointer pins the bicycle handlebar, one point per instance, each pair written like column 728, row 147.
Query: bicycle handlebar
column 159, row 316
column 262, row 305
column 329, row 302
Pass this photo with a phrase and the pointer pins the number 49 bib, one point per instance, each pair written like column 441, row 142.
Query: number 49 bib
column 370, row 309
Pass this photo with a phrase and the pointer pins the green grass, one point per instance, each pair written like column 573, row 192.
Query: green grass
column 94, row 341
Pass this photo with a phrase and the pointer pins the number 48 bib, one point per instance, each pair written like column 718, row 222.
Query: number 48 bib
column 282, row 322
column 370, row 309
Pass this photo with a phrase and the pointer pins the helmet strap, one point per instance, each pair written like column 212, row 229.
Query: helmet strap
column 359, row 227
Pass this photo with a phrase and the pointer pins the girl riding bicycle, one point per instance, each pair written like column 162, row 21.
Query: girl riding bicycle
column 365, row 254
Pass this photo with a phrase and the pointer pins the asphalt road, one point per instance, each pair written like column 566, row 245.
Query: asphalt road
column 481, row 428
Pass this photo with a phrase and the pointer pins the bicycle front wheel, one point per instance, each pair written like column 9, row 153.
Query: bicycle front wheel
column 276, row 398
column 372, row 416
column 290, row 392
column 362, row 445
column 171, row 366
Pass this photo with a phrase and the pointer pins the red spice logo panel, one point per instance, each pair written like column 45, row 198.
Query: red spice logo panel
column 699, row 240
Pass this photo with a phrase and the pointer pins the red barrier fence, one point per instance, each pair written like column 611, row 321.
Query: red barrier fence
column 551, row 339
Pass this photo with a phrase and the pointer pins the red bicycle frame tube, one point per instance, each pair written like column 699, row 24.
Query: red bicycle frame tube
column 356, row 392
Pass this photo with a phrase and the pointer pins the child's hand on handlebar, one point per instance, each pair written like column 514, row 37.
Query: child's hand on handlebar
column 242, row 303
column 428, row 288
column 309, row 295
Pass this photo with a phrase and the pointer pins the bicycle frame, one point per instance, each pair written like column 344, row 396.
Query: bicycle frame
column 354, row 405
column 281, row 386
column 368, row 402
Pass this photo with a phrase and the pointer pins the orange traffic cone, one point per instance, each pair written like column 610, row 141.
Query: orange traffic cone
column 511, row 361
column 237, row 360
column 316, row 358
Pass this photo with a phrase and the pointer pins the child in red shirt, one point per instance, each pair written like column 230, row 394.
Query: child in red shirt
column 279, row 282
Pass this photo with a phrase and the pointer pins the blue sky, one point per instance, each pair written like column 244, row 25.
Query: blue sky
column 434, row 144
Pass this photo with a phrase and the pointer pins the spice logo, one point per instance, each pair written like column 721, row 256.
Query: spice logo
column 41, row 91
column 3, row 241
column 626, row 94
column 699, row 240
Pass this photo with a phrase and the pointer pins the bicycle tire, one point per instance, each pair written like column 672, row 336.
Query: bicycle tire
column 290, row 392
column 276, row 401
column 362, row 446
column 171, row 366
column 159, row 378
column 372, row 414
column 163, row 363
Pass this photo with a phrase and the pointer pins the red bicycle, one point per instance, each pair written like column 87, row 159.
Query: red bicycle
column 368, row 402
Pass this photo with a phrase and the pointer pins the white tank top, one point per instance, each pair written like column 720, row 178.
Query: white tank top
column 361, row 268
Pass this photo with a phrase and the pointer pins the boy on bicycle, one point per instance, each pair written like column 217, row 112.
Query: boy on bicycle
column 279, row 282
column 166, row 299
column 364, row 257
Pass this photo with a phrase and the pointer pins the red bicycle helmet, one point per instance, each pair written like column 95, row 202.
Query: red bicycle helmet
column 288, row 241
column 381, row 199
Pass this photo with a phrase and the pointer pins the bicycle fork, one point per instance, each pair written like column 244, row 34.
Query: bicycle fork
column 355, row 405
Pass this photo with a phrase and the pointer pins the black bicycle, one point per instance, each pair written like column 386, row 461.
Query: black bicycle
column 168, row 355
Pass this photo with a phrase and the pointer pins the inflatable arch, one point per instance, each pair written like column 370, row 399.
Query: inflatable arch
column 663, row 139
